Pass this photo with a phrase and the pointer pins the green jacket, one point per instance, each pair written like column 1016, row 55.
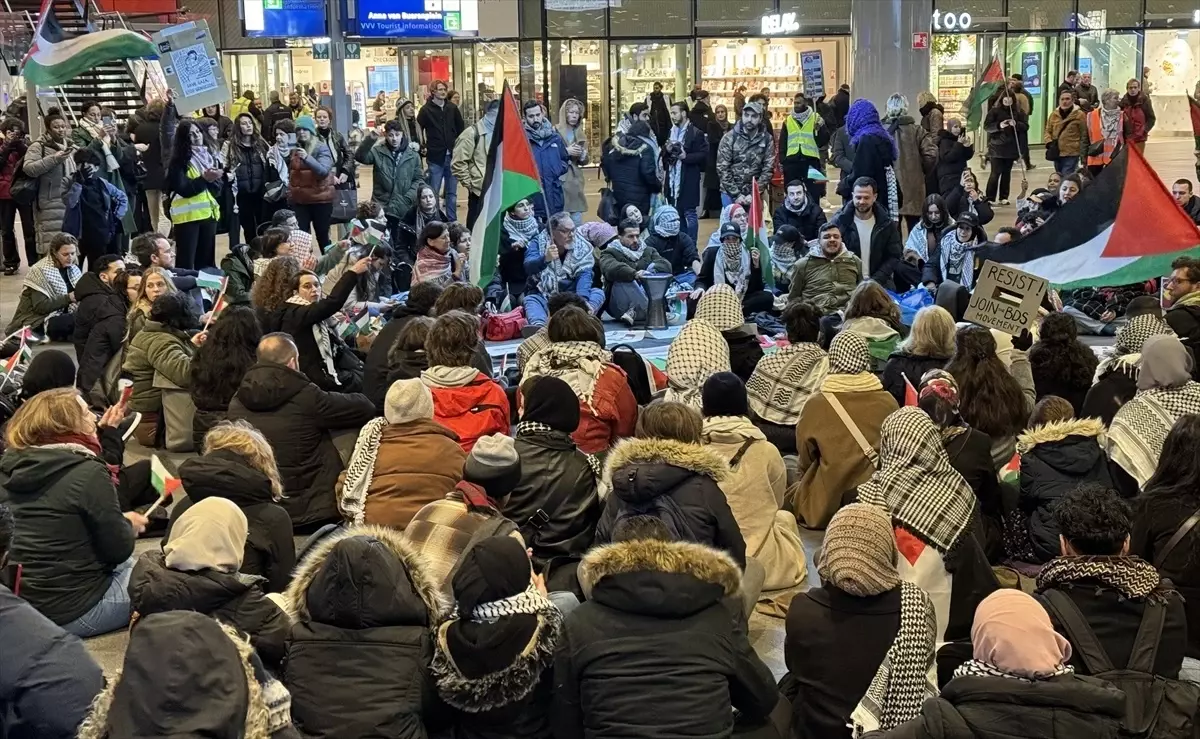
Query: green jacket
column 240, row 270
column 32, row 309
column 157, row 350
column 617, row 267
column 824, row 282
column 397, row 175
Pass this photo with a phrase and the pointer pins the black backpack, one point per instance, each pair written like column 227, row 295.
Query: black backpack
column 628, row 359
column 1155, row 707
column 665, row 509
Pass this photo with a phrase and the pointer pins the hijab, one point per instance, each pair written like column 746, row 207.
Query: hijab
column 863, row 120
column 211, row 535
column 1012, row 632
column 1166, row 363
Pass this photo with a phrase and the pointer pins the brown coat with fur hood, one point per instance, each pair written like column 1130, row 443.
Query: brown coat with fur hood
column 676, row 482
column 657, row 608
column 358, row 654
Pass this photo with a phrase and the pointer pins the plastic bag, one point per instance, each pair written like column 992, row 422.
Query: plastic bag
column 911, row 302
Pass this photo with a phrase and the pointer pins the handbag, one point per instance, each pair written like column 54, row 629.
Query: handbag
column 1052, row 153
column 178, row 410
column 24, row 189
column 504, row 326
column 345, row 205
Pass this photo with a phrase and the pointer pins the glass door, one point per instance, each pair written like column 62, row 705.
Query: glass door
column 1038, row 58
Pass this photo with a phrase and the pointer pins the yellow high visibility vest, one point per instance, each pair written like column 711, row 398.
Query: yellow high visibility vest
column 197, row 207
column 802, row 139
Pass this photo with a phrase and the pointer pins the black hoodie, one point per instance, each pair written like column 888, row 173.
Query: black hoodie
column 99, row 327
column 297, row 417
column 270, row 548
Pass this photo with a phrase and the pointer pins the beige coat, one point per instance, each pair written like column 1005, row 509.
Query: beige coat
column 755, row 491
column 468, row 163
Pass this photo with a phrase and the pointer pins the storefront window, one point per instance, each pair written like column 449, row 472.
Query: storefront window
column 757, row 63
column 1097, row 14
column 1111, row 58
column 531, row 18
column 575, row 23
column 533, row 73
column 577, row 72
column 1171, row 57
column 651, row 18
column 1037, row 59
column 637, row 67
column 495, row 63
column 1037, row 15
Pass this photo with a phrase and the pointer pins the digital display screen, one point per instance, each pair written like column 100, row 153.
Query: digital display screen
column 284, row 18
column 392, row 18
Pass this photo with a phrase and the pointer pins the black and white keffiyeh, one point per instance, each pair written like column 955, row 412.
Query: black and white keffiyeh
column 696, row 354
column 524, row 230
column 44, row 277
column 1139, row 429
column 577, row 259
column 975, row 668
column 1132, row 577
column 849, row 354
column 784, row 381
column 1127, row 349
column 577, row 363
column 916, row 483
column 957, row 260
column 721, row 307
column 904, row 681
column 732, row 267
column 528, row 602
column 361, row 471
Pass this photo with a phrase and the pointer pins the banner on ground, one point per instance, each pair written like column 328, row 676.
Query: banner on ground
column 192, row 66
column 1005, row 298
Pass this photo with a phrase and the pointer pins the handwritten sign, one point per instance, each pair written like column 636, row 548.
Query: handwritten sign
column 1005, row 298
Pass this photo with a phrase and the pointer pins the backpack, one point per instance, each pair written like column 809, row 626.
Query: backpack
column 665, row 509
column 1155, row 707
column 643, row 377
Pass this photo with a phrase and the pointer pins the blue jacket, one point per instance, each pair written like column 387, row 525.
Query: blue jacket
column 552, row 159
column 535, row 262
column 118, row 204
column 47, row 677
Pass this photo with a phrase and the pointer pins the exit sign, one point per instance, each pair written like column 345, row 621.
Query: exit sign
column 921, row 40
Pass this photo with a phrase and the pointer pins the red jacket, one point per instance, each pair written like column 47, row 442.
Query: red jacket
column 473, row 410
column 615, row 416
column 10, row 159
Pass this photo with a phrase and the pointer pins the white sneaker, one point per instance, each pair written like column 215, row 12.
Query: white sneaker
column 628, row 318
column 1004, row 202
column 129, row 424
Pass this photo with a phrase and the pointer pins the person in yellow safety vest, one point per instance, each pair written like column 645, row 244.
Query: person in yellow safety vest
column 798, row 149
column 195, row 176
column 247, row 103
column 1105, row 123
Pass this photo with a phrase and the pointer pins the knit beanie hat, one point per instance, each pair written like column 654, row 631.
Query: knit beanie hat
column 407, row 400
column 666, row 222
column 495, row 568
column 306, row 122
column 859, row 552
column 724, row 394
column 550, row 401
column 493, row 465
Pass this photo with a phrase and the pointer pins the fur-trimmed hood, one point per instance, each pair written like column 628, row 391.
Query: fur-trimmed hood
column 639, row 470
column 1060, row 430
column 671, row 579
column 353, row 585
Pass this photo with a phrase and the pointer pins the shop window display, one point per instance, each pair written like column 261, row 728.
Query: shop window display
column 1173, row 60
column 639, row 66
column 728, row 64
column 577, row 72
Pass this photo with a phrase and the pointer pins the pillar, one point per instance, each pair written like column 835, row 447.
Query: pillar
column 337, row 74
column 883, row 60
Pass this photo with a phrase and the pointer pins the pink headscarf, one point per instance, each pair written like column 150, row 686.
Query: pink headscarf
column 1012, row 632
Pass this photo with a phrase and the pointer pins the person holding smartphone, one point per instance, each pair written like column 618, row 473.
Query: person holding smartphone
column 98, row 131
column 313, row 179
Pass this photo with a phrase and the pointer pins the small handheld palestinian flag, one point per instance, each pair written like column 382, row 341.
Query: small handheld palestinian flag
column 910, row 392
column 209, row 281
column 355, row 323
column 164, row 482
column 756, row 236
column 23, row 355
column 219, row 304
column 366, row 235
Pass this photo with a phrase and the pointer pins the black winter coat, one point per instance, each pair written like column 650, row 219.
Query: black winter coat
column 358, row 655
column 1055, row 459
column 557, row 480
column 148, row 132
column 1184, row 320
column 807, row 221
column 886, row 247
column 695, row 155
column 641, row 470
column 230, row 597
column 270, row 550
column 49, row 679
column 375, row 369
column 442, row 125
column 1002, row 142
column 679, row 250
column 872, row 156
column 630, row 166
column 298, row 321
column 744, row 350
column 1115, row 388
column 971, row 456
column 715, row 133
column 296, row 416
column 274, row 113
column 958, row 202
column 70, row 534
column 1064, row 707
column 834, row 643
column 657, row 609
column 99, row 328
column 250, row 165
column 953, row 157
column 1156, row 517
column 900, row 365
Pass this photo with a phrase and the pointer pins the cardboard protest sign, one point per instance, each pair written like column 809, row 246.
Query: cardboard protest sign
column 192, row 66
column 1005, row 298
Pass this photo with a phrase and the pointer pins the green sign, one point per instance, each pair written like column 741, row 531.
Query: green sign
column 452, row 20
column 273, row 5
column 320, row 50
column 353, row 50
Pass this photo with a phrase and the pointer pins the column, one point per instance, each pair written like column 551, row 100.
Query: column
column 337, row 71
column 883, row 60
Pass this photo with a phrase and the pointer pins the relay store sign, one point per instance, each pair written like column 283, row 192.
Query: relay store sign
column 776, row 23
column 391, row 18
column 951, row 21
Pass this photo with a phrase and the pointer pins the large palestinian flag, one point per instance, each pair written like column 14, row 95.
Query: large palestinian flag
column 973, row 106
column 53, row 59
column 1124, row 227
column 512, row 176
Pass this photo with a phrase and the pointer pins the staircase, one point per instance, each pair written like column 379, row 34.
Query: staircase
column 116, row 85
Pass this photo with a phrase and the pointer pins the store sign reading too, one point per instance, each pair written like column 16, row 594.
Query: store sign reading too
column 779, row 23
column 951, row 21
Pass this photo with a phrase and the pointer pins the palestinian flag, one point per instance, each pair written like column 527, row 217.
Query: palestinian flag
column 512, row 176
column 910, row 393
column 1124, row 227
column 209, row 281
column 54, row 59
column 756, row 236
column 992, row 79
column 164, row 481
column 22, row 355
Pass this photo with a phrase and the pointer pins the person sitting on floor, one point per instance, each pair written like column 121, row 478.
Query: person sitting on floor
column 785, row 243
column 872, row 314
column 400, row 462
column 407, row 359
column 377, row 367
column 617, row 646
column 559, row 260
column 731, row 263
column 238, row 464
column 1062, row 365
column 47, row 299
column 162, row 350
column 623, row 263
column 720, row 307
column 99, row 320
column 784, row 381
column 466, row 401
column 298, row 418
column 799, row 211
column 198, row 570
column 155, row 283
column 929, row 345
column 858, row 649
column 674, row 245
column 540, row 339
column 219, row 365
column 828, row 272
column 755, row 489
column 837, row 434
column 468, row 298
column 698, row 352
column 995, row 396
column 1115, row 382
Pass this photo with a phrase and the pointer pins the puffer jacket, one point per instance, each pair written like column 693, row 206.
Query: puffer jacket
column 239, row 268
column 743, row 157
column 311, row 175
column 1070, row 133
column 469, row 405
column 901, row 365
column 229, row 597
column 640, row 471
column 824, row 282
column 49, row 162
column 550, row 155
column 157, row 350
column 99, row 328
column 953, row 157
column 630, row 166
column 918, row 155
column 12, row 155
column 556, row 480
column 416, row 464
column 1063, row 707
column 396, row 175
column 1055, row 459
column 270, row 550
column 361, row 600
column 617, row 647
column 249, row 164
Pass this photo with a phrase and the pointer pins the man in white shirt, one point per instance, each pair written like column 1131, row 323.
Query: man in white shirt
column 870, row 233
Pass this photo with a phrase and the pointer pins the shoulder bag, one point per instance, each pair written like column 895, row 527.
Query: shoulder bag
column 867, row 450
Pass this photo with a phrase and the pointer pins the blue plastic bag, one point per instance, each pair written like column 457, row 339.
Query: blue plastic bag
column 911, row 302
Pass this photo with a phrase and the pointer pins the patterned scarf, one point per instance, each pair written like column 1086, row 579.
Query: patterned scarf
column 733, row 268
column 1138, row 430
column 1132, row 577
column 433, row 266
column 676, row 173
column 204, row 158
column 577, row 363
column 904, row 680
column 696, row 354
column 783, row 261
column 975, row 668
column 528, row 602
column 534, row 427
column 720, row 307
column 1110, row 124
column 361, row 471
column 46, row 278
column 524, row 230
column 1128, row 346
column 783, row 382
column 916, row 482
column 324, row 344
column 577, row 260
column 957, row 259
column 630, row 254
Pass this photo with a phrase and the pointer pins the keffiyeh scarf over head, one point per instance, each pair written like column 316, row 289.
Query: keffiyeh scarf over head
column 1128, row 346
column 320, row 334
column 577, row 363
column 850, row 366
column 732, row 265
column 696, row 354
column 44, row 277
column 720, row 307
column 665, row 222
column 916, row 483
column 568, row 267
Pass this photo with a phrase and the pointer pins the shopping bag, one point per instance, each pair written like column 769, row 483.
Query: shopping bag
column 911, row 302
column 345, row 204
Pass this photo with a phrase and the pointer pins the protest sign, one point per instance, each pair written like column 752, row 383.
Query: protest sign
column 1005, row 298
column 813, row 69
column 192, row 66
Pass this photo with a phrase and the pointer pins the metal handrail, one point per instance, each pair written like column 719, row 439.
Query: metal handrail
column 145, row 79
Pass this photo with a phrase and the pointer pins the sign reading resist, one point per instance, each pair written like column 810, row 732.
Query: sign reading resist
column 1005, row 298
